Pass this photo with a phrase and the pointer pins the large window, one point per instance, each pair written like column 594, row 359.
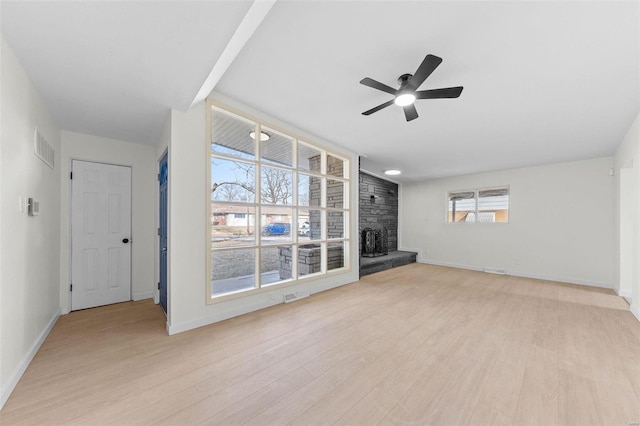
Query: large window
column 279, row 209
column 482, row 205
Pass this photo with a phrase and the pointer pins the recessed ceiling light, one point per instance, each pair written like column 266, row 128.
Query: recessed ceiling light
column 263, row 136
column 392, row 172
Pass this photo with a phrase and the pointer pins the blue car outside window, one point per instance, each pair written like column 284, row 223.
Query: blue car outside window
column 276, row 228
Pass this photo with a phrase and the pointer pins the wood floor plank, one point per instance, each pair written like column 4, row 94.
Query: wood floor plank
column 577, row 397
column 419, row 344
column 459, row 397
column 485, row 415
column 299, row 400
column 501, row 390
column 369, row 410
column 538, row 396
column 245, row 409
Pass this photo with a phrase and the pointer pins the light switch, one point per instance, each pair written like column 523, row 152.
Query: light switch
column 22, row 204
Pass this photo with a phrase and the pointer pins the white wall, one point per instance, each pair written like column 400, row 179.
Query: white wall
column 188, row 195
column 141, row 159
column 627, row 164
column 29, row 259
column 561, row 223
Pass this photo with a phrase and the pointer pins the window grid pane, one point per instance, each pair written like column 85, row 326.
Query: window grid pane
column 493, row 205
column 232, row 180
column 276, row 225
column 277, row 149
column 335, row 255
column 309, row 259
column 276, row 186
column 335, row 166
column 232, row 271
column 309, row 158
column 232, row 225
column 275, row 264
column 231, row 135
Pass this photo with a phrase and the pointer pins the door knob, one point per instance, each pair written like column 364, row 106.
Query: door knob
column 164, row 249
column 125, row 240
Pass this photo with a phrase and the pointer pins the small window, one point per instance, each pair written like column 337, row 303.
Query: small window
column 483, row 206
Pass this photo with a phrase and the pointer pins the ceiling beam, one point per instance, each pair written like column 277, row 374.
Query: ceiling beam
column 243, row 33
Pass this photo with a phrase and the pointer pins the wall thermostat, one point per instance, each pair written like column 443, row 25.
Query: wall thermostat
column 33, row 207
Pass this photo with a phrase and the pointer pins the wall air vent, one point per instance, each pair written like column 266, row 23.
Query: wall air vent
column 44, row 150
column 500, row 271
column 292, row 297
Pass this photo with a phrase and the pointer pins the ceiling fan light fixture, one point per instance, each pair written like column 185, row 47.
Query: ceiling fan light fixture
column 405, row 99
column 263, row 136
column 392, row 172
column 408, row 91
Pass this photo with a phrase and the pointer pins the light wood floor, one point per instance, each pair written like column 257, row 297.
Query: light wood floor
column 414, row 345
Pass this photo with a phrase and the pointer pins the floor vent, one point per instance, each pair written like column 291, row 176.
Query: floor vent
column 500, row 271
column 44, row 150
column 292, row 297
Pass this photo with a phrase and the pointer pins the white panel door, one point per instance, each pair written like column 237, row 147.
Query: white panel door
column 100, row 234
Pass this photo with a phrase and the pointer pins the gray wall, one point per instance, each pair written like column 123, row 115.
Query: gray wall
column 382, row 211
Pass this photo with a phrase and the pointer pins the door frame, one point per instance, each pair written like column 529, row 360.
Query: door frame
column 70, row 225
column 163, row 157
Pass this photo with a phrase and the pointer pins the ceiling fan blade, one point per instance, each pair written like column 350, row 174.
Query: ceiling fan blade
column 377, row 85
column 448, row 92
column 410, row 112
column 428, row 65
column 379, row 107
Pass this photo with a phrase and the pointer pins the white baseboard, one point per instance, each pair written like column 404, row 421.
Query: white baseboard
column 201, row 322
column 15, row 378
column 142, row 296
column 525, row 275
column 450, row 265
column 625, row 294
column 315, row 287
column 578, row 281
column 635, row 310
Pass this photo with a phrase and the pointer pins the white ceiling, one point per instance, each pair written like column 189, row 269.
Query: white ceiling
column 115, row 69
column 543, row 81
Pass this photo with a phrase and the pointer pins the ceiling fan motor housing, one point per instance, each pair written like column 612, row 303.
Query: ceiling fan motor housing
column 404, row 79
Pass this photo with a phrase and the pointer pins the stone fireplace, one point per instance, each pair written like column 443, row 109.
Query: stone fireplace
column 379, row 226
column 379, row 208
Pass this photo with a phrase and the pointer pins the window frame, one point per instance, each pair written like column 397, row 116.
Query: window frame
column 295, row 243
column 476, row 197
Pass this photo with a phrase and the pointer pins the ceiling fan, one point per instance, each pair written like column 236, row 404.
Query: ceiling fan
column 408, row 91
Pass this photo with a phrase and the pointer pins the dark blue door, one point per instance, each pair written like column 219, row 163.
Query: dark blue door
column 162, row 231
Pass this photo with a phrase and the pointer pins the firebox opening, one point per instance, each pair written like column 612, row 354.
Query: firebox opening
column 375, row 242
